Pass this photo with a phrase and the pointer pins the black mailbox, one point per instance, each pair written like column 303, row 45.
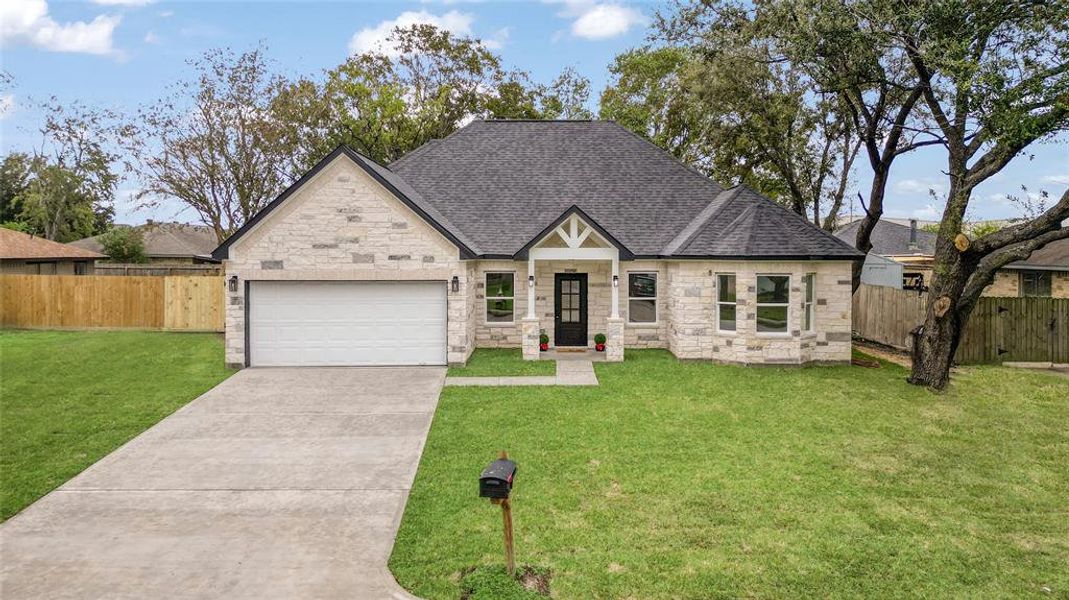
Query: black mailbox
column 496, row 480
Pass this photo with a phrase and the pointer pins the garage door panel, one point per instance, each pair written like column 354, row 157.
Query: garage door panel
column 347, row 323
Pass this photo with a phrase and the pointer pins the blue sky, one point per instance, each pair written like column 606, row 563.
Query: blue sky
column 123, row 53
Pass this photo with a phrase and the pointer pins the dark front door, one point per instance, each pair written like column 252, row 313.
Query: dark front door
column 569, row 309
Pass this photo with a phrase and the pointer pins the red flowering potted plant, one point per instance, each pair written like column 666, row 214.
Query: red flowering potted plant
column 543, row 342
column 599, row 342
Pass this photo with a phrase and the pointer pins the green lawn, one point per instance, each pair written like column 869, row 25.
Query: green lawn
column 696, row 480
column 69, row 398
column 501, row 362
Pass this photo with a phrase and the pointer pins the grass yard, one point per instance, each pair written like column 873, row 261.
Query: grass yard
column 502, row 362
column 69, row 398
column 696, row 480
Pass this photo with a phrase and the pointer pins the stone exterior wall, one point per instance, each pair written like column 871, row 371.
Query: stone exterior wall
column 1007, row 284
column 599, row 301
column 693, row 331
column 342, row 225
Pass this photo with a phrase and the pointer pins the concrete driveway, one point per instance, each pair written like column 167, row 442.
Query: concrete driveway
column 278, row 483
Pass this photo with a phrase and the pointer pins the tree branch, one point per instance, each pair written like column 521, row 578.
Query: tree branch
column 1042, row 224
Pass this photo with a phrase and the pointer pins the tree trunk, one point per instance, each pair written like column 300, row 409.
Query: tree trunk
column 873, row 212
column 948, row 306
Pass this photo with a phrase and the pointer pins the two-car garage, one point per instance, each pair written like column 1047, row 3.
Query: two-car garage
column 346, row 323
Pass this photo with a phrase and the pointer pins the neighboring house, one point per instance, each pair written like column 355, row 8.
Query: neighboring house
column 1045, row 274
column 506, row 229
column 902, row 257
column 168, row 243
column 25, row 254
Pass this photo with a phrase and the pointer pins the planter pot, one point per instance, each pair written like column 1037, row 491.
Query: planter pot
column 543, row 347
column 599, row 347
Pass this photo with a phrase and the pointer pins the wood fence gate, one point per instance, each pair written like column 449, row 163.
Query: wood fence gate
column 999, row 329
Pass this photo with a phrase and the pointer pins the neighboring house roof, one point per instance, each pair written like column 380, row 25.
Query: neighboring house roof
column 1052, row 257
column 892, row 239
column 166, row 240
column 493, row 187
column 18, row 245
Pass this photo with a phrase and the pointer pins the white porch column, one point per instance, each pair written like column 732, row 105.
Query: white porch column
column 615, row 307
column 530, row 289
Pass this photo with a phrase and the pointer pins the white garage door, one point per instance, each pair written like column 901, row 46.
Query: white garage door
column 346, row 323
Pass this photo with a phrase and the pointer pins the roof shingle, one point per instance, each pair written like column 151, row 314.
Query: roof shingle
column 15, row 244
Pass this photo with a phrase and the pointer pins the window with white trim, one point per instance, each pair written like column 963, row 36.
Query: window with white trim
column 773, row 303
column 642, row 297
column 500, row 297
column 726, row 298
column 808, row 282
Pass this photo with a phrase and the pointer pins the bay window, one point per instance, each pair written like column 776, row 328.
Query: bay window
column 726, row 307
column 773, row 303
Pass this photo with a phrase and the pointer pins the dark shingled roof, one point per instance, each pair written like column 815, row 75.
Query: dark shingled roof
column 1052, row 257
column 891, row 239
column 503, row 182
column 494, row 186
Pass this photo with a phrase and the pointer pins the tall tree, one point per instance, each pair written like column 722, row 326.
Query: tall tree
column 65, row 189
column 214, row 143
column 746, row 113
column 994, row 79
column 431, row 82
column 834, row 52
column 648, row 95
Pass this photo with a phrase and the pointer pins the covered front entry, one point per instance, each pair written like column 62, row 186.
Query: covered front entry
column 579, row 255
column 570, row 309
column 346, row 323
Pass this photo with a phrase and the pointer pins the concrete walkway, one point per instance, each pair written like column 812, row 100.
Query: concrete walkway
column 278, row 483
column 569, row 372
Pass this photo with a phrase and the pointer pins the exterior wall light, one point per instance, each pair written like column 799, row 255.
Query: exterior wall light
column 456, row 283
column 232, row 283
column 530, row 281
column 615, row 281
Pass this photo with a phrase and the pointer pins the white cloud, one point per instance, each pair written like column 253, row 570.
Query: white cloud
column 152, row 38
column 374, row 38
column 167, row 13
column 123, row 2
column 600, row 20
column 929, row 212
column 497, row 41
column 920, row 186
column 604, row 21
column 7, row 105
column 28, row 22
column 1058, row 179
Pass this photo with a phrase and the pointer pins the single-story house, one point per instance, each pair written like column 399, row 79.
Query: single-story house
column 1044, row 274
column 25, row 254
column 508, row 229
column 168, row 243
column 902, row 257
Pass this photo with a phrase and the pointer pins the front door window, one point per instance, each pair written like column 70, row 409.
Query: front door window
column 570, row 309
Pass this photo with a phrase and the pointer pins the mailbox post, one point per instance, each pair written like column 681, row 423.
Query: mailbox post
column 495, row 483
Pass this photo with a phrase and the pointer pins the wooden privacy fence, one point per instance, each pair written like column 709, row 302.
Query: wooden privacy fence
column 999, row 329
column 177, row 303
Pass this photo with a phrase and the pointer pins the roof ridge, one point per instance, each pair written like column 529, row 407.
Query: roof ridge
column 675, row 159
column 698, row 223
column 798, row 217
column 529, row 120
